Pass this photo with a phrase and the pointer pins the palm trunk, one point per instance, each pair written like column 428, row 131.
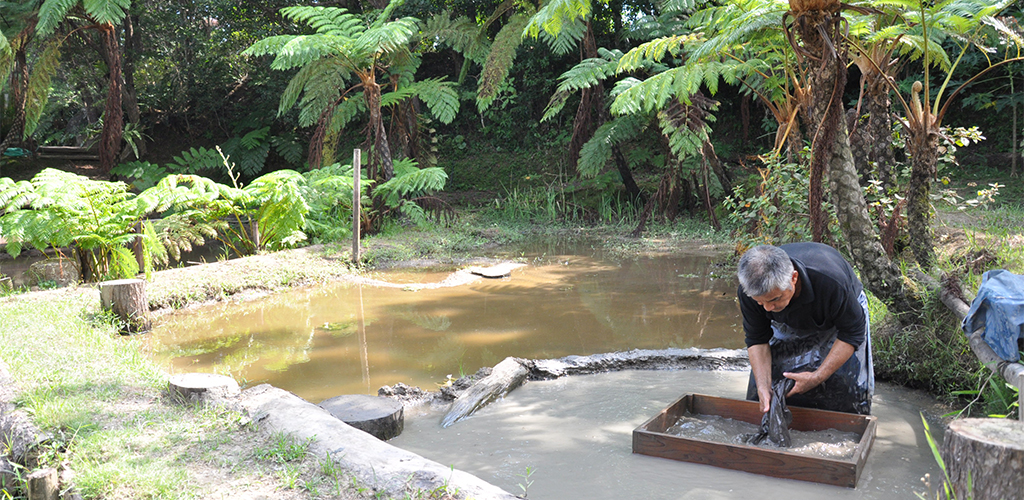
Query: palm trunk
column 19, row 87
column 110, row 139
column 879, row 128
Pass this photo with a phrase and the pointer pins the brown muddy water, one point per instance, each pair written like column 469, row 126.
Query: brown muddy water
column 571, row 436
column 345, row 338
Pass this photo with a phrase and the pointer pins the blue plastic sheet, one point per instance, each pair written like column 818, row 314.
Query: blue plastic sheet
column 999, row 307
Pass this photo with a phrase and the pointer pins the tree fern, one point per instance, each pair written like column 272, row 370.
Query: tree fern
column 282, row 209
column 461, row 34
column 39, row 85
column 499, row 61
column 411, row 181
column 106, row 11
column 52, row 13
column 597, row 151
column 440, row 96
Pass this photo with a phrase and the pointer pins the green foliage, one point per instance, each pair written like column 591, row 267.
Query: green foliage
column 281, row 212
column 597, row 151
column 57, row 209
column 771, row 206
column 196, row 160
column 140, row 175
column 39, row 85
column 328, row 192
column 499, row 61
column 248, row 153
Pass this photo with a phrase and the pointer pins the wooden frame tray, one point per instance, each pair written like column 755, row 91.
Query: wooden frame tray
column 650, row 439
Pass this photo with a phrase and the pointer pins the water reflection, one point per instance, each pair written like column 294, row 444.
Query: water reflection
column 323, row 341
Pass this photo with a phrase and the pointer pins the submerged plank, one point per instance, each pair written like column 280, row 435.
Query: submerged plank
column 506, row 376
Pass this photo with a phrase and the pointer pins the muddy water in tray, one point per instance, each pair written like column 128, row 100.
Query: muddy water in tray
column 323, row 341
column 718, row 429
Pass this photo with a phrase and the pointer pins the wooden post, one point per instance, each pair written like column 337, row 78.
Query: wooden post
column 986, row 454
column 127, row 299
column 356, row 198
column 137, row 248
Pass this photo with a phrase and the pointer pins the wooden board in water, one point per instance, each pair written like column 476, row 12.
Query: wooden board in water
column 650, row 439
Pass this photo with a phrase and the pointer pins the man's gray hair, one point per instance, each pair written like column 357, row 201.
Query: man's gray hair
column 763, row 269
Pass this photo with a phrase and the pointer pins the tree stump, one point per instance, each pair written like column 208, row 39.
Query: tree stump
column 383, row 418
column 42, row 485
column 202, row 388
column 988, row 454
column 127, row 299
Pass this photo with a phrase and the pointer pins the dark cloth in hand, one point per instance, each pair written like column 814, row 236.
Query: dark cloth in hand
column 775, row 423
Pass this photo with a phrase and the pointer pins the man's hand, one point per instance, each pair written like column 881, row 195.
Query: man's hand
column 761, row 366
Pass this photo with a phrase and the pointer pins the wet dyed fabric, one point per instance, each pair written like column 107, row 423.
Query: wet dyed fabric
column 999, row 308
column 775, row 423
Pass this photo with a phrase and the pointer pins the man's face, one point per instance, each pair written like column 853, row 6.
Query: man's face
column 777, row 299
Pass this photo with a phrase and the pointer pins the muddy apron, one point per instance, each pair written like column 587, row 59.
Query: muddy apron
column 849, row 389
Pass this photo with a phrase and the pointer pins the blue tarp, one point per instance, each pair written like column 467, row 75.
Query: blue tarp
column 999, row 307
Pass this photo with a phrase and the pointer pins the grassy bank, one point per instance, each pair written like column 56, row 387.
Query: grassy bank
column 117, row 434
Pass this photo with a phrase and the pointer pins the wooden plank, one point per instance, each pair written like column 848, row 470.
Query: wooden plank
column 650, row 439
column 496, row 271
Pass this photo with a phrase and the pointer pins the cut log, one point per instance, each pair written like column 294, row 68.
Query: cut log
column 505, row 377
column 383, row 418
column 986, row 454
column 496, row 271
column 127, row 299
column 42, row 484
column 202, row 388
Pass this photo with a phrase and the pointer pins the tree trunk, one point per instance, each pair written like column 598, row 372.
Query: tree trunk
column 632, row 190
column 127, row 299
column 880, row 275
column 879, row 128
column 381, row 167
column 132, row 47
column 19, row 94
column 827, row 78
column 110, row 138
column 923, row 147
column 589, row 114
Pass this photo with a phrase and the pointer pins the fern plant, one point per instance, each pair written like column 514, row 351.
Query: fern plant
column 345, row 56
column 59, row 209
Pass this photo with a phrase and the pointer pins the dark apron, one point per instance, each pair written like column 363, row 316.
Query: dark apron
column 849, row 389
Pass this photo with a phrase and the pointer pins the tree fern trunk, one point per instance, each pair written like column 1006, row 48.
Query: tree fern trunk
column 879, row 274
column 110, row 139
column 924, row 157
column 827, row 79
column 132, row 46
column 381, row 167
column 19, row 88
column 877, row 103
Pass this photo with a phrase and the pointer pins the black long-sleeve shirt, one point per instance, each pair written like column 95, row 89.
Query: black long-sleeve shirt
column 828, row 298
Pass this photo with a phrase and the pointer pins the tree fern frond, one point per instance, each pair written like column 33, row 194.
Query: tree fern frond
column 51, row 14
column 397, row 96
column 411, row 182
column 652, row 51
column 554, row 15
column 499, row 61
column 282, row 209
column 590, row 72
column 440, row 96
column 567, row 38
column 324, row 77
column 555, row 104
column 596, row 153
column 325, row 20
column 687, row 125
column 38, row 93
column 107, row 11
column 389, row 37
column 461, row 34
column 346, row 112
column 654, row 92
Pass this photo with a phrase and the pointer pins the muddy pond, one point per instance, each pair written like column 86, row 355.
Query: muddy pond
column 566, row 438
